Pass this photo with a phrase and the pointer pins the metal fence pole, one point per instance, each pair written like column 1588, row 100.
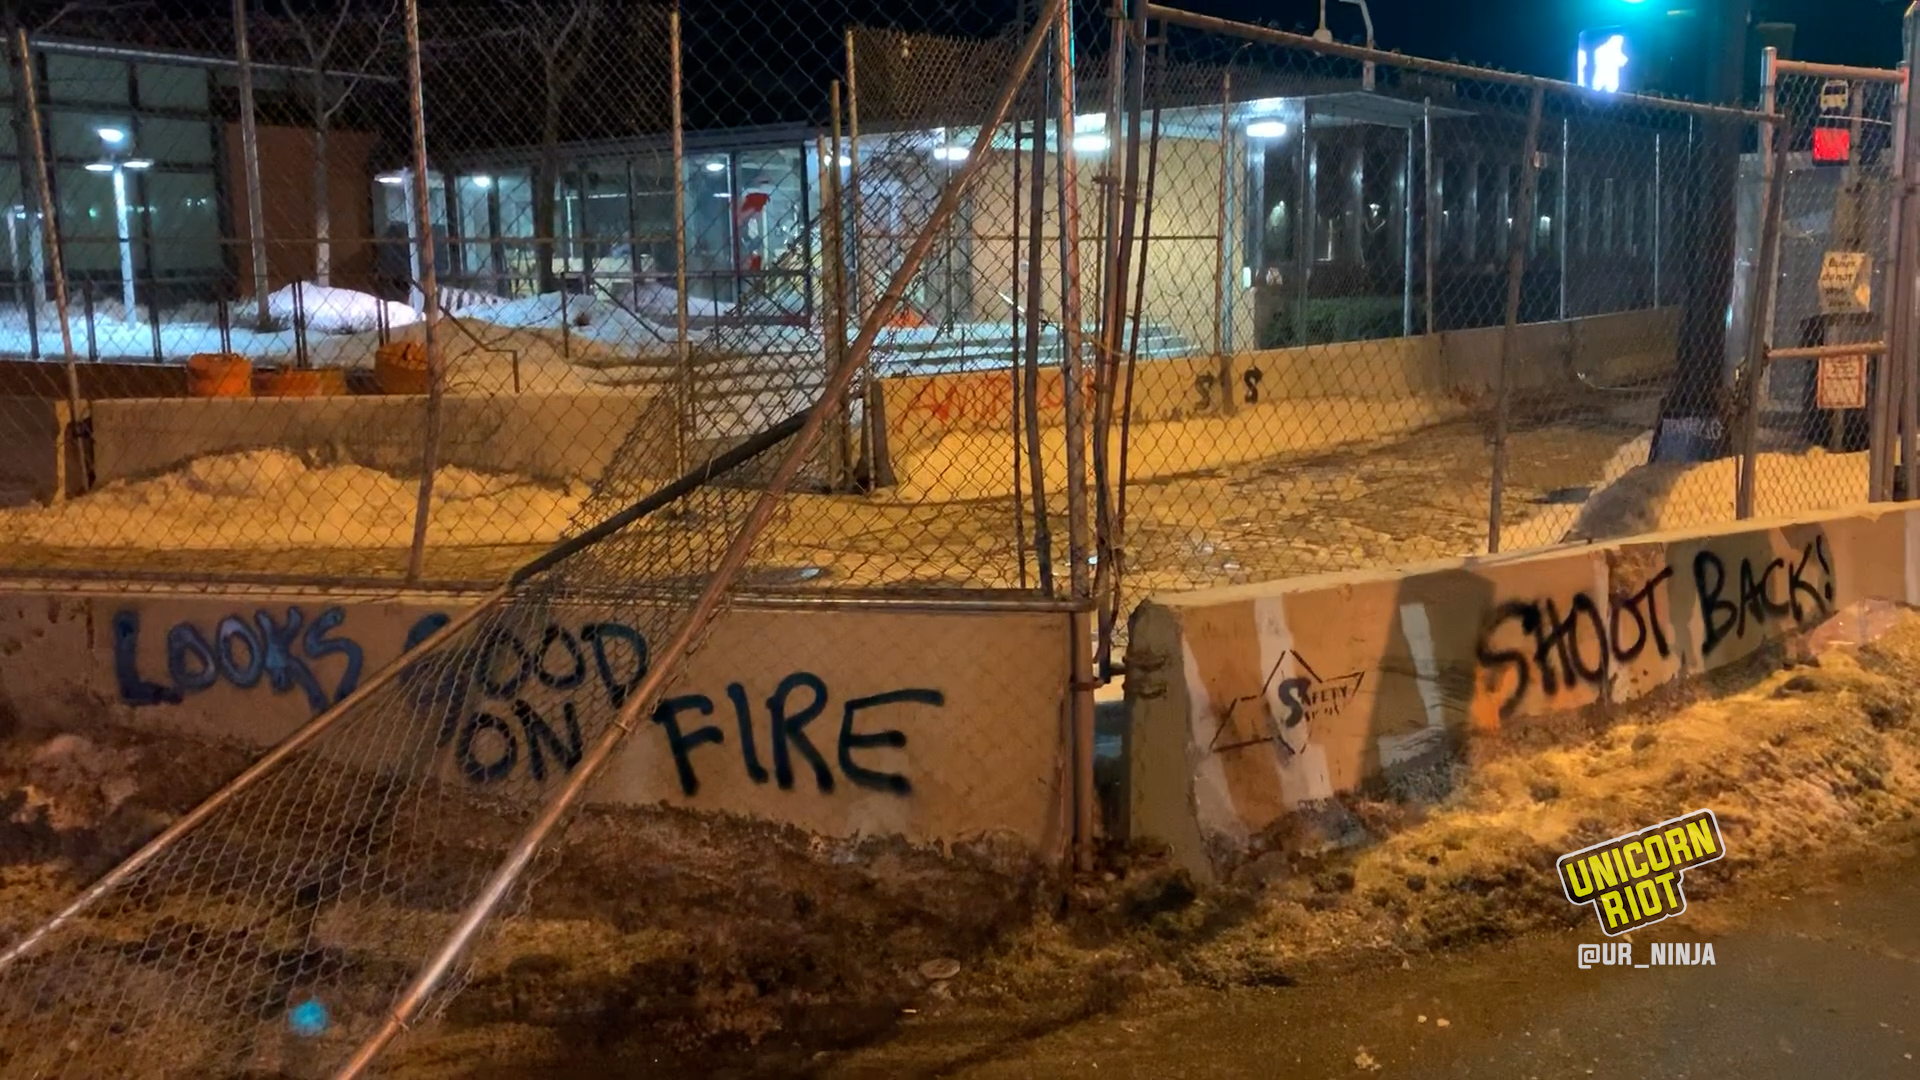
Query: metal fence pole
column 1036, row 317
column 430, row 298
column 719, row 580
column 50, row 229
column 872, row 440
column 1430, row 230
column 1517, row 238
column 1656, row 217
column 842, row 450
column 1759, row 333
column 682, row 344
column 1899, row 301
column 1563, row 235
column 250, row 155
column 1908, row 363
column 1220, row 241
column 1073, row 392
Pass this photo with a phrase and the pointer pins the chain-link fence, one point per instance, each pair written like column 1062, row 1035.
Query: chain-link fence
column 359, row 292
column 662, row 230
column 307, row 914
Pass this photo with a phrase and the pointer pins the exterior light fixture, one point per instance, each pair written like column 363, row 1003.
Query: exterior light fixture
column 1266, row 129
column 1091, row 144
column 112, row 136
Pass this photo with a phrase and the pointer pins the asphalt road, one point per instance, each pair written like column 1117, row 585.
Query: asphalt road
column 1821, row 984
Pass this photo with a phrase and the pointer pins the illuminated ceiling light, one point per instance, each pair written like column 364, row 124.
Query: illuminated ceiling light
column 112, row 136
column 716, row 166
column 483, row 181
column 1089, row 123
column 99, row 166
column 1091, row 144
column 951, row 153
column 139, row 163
column 1266, row 129
column 389, row 178
column 845, row 161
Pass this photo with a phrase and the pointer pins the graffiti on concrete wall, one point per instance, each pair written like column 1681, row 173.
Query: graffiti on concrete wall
column 984, row 399
column 511, row 702
column 1561, row 644
column 512, row 707
column 508, row 703
column 287, row 652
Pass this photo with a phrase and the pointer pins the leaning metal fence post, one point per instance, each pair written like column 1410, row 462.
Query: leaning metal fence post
column 430, row 299
column 1759, row 333
column 407, row 1007
column 1517, row 238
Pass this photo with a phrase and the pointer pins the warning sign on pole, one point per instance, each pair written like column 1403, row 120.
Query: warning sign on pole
column 1834, row 95
column 1842, row 382
column 1846, row 282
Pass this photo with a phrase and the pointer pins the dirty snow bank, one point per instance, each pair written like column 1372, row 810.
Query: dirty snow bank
column 1673, row 495
column 1823, row 756
column 273, row 497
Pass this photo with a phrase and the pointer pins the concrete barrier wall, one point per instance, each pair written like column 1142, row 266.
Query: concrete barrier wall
column 974, row 698
column 949, row 436
column 1246, row 702
column 39, row 463
column 555, row 437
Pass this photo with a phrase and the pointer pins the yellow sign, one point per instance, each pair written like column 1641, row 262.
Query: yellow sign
column 1634, row 880
column 1846, row 282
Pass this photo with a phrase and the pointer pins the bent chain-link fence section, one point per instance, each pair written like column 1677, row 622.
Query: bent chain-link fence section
column 362, row 295
column 326, row 900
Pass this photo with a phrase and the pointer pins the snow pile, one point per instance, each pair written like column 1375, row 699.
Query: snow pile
column 271, row 497
column 457, row 300
column 590, row 318
column 1659, row 497
column 323, row 309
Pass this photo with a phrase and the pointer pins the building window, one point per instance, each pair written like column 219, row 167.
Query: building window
column 183, row 220
column 172, row 88
column 86, row 80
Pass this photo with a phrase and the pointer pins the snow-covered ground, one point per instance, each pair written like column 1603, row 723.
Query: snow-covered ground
column 271, row 498
column 554, row 342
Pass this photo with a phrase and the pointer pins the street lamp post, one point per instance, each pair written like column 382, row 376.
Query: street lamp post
column 1324, row 35
column 114, row 141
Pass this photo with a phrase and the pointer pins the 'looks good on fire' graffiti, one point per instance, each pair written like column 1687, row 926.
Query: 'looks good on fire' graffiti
column 1583, row 642
column 495, row 717
column 509, row 702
